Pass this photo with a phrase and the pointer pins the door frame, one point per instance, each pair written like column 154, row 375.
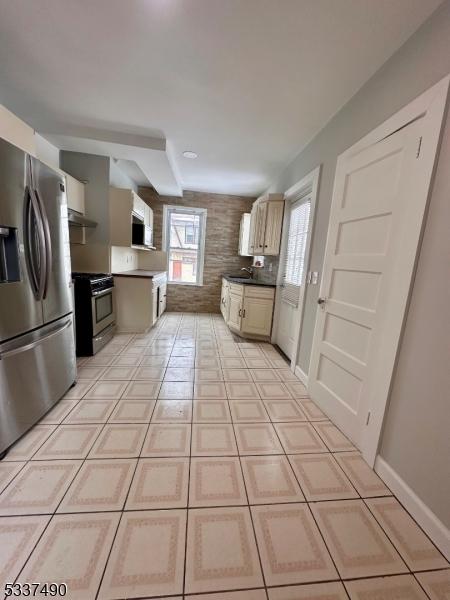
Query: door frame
column 309, row 184
column 430, row 106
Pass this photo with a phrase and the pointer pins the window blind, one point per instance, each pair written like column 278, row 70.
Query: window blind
column 294, row 260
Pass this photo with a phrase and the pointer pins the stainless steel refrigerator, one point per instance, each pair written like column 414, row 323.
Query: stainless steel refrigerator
column 37, row 351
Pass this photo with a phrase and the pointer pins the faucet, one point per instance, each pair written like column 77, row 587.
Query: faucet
column 248, row 270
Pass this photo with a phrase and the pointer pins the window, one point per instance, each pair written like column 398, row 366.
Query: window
column 191, row 234
column 294, row 261
column 184, row 242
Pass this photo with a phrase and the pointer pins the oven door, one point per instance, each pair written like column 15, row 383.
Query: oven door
column 102, row 310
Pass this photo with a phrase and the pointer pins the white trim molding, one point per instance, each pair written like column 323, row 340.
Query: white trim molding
column 301, row 375
column 202, row 213
column 429, row 522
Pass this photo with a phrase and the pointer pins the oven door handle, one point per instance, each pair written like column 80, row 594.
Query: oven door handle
column 103, row 292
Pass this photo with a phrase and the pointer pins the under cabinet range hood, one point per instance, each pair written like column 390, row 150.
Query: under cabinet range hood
column 78, row 220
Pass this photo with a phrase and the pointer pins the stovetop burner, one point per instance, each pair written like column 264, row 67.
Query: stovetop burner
column 94, row 282
column 90, row 275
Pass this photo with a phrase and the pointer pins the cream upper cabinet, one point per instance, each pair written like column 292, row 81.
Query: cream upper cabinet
column 252, row 241
column 266, row 224
column 248, row 309
column 148, row 216
column 122, row 204
column 274, row 224
column 75, row 194
column 261, row 215
column 139, row 205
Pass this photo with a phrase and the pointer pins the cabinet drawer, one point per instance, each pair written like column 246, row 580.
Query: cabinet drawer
column 253, row 291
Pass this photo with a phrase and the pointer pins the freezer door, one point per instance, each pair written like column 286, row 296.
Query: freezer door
column 20, row 311
column 36, row 370
column 50, row 192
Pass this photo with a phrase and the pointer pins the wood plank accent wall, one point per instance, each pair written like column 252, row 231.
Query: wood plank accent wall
column 221, row 245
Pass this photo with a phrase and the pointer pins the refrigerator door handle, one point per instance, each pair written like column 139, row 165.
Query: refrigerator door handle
column 48, row 246
column 34, row 232
column 35, row 343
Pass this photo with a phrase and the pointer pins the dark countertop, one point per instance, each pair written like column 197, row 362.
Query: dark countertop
column 139, row 273
column 247, row 281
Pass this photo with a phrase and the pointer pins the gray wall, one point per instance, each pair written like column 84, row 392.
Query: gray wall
column 416, row 435
column 94, row 170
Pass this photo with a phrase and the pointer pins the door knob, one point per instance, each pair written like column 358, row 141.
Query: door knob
column 321, row 301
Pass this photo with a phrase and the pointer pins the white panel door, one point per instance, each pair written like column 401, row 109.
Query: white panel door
column 375, row 222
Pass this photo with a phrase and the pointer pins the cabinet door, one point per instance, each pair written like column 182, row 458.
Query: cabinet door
column 261, row 216
column 253, row 229
column 148, row 216
column 274, row 222
column 75, row 194
column 222, row 299
column 257, row 316
column 138, row 206
column 154, row 305
column 234, row 310
column 162, row 298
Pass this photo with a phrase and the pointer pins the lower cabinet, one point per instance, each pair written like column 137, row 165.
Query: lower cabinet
column 257, row 316
column 248, row 309
column 139, row 302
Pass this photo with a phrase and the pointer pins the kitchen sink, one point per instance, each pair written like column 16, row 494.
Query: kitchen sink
column 240, row 279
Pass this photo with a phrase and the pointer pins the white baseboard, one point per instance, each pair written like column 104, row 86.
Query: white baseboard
column 429, row 522
column 302, row 376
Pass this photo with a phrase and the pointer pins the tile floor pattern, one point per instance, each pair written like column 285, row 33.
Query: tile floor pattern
column 186, row 464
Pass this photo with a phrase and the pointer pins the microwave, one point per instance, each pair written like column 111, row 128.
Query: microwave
column 141, row 235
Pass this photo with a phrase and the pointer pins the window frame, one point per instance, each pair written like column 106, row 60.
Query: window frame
column 170, row 209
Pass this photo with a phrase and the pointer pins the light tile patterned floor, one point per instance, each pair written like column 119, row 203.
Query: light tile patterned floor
column 186, row 464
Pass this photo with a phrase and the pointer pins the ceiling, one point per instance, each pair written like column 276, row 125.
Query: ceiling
column 243, row 83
